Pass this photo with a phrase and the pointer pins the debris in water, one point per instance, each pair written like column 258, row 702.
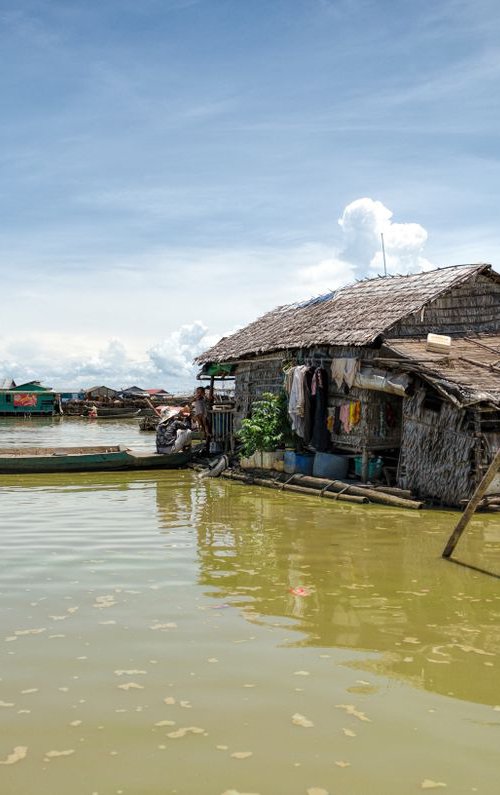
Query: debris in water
column 18, row 753
column 351, row 710
column 427, row 783
column 187, row 730
column 131, row 686
column 54, row 754
column 169, row 625
column 242, row 754
column 301, row 720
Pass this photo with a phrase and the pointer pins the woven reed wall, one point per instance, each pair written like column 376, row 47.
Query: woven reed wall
column 252, row 379
column 472, row 307
column 437, row 452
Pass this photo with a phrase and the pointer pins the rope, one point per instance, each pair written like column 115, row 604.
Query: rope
column 338, row 493
column 282, row 485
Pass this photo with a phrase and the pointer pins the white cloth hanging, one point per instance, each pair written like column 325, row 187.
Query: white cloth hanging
column 296, row 402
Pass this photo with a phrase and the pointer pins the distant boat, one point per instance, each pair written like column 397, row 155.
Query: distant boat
column 19, row 460
column 114, row 413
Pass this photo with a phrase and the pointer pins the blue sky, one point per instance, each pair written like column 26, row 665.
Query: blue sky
column 173, row 168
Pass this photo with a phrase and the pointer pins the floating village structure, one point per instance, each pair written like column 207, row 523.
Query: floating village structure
column 30, row 398
column 429, row 408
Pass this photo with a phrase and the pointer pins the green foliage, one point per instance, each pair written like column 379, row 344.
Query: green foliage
column 268, row 425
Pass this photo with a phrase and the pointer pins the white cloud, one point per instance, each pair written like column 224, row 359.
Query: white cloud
column 362, row 222
column 167, row 364
column 230, row 286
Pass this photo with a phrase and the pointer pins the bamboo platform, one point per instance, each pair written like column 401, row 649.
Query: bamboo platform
column 338, row 490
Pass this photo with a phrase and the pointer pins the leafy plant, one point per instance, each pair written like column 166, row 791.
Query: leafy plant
column 268, row 425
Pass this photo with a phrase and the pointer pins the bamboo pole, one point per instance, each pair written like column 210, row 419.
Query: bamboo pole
column 313, row 492
column 471, row 507
column 278, row 485
column 321, row 485
column 364, row 491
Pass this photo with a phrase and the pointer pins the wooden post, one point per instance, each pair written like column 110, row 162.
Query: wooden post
column 364, row 465
column 473, row 503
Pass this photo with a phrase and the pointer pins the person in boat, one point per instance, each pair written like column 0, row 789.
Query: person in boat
column 173, row 434
column 202, row 405
column 92, row 412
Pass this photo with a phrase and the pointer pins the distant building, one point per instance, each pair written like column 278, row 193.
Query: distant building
column 134, row 392
column 30, row 398
column 158, row 394
column 100, row 392
column 71, row 394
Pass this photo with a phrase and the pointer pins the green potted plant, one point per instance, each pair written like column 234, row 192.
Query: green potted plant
column 264, row 431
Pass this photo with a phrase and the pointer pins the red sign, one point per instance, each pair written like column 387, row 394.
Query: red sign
column 24, row 399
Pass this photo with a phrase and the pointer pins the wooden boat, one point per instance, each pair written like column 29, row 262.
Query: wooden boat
column 114, row 414
column 18, row 460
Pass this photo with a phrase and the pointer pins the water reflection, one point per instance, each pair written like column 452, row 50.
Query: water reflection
column 372, row 577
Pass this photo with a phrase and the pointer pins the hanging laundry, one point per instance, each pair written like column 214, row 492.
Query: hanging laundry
column 296, row 400
column 344, row 417
column 337, row 427
column 344, row 370
column 320, row 439
column 309, row 405
column 337, row 368
column 354, row 413
column 351, row 369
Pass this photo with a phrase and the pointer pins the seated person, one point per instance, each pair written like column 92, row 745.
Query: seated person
column 173, row 434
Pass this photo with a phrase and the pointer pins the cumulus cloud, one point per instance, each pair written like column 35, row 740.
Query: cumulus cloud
column 362, row 222
column 167, row 364
column 266, row 276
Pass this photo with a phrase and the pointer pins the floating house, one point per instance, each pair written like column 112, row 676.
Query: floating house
column 31, row 398
column 428, row 407
column 100, row 393
column 158, row 394
column 134, row 392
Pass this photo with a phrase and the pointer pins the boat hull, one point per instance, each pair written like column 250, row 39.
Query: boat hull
column 47, row 460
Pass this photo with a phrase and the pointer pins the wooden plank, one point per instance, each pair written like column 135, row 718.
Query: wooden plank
column 476, row 498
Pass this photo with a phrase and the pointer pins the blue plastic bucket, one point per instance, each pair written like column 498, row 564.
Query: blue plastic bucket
column 327, row 465
column 299, row 463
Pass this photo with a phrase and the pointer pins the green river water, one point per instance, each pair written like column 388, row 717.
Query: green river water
column 151, row 642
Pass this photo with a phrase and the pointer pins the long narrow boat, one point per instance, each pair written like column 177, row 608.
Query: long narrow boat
column 17, row 460
column 116, row 414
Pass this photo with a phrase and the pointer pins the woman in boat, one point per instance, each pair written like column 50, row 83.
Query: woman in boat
column 173, row 434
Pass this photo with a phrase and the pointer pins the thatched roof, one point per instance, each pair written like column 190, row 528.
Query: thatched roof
column 471, row 372
column 354, row 315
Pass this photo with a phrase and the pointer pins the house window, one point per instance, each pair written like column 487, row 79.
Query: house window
column 8, row 398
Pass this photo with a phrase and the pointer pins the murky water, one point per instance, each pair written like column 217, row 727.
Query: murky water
column 166, row 634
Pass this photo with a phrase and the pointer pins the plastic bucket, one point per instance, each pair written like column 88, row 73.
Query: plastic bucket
column 374, row 467
column 299, row 463
column 327, row 465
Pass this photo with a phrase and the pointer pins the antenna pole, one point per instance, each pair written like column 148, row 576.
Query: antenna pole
column 383, row 253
